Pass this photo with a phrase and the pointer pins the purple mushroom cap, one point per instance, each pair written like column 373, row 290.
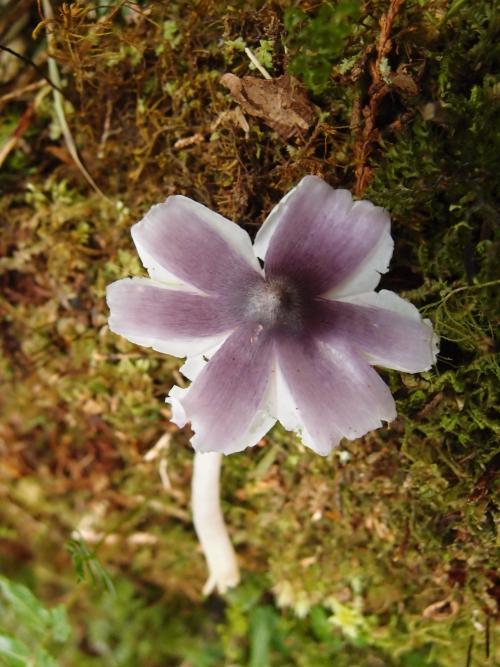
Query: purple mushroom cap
column 295, row 341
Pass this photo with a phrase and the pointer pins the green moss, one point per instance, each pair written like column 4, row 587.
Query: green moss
column 384, row 552
column 318, row 41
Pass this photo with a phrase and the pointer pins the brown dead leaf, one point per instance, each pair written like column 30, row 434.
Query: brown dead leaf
column 281, row 103
column 404, row 83
column 62, row 154
column 442, row 610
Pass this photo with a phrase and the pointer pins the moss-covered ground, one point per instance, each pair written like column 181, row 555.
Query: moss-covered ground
column 382, row 554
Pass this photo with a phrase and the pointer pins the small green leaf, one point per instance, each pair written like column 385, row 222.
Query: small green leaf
column 87, row 566
column 29, row 610
column 12, row 652
column 43, row 659
column 61, row 629
column 171, row 33
column 262, row 622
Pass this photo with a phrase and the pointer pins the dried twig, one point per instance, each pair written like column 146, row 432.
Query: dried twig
column 379, row 88
column 197, row 138
column 19, row 92
column 11, row 142
column 32, row 64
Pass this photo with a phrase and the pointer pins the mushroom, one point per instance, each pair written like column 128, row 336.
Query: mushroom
column 294, row 342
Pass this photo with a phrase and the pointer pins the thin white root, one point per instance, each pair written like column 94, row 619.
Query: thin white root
column 209, row 524
column 257, row 64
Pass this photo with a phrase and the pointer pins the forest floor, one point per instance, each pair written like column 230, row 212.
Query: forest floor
column 382, row 554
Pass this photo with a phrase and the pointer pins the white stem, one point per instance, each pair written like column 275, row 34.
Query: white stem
column 209, row 524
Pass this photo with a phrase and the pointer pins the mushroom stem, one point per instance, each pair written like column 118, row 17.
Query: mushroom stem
column 209, row 524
